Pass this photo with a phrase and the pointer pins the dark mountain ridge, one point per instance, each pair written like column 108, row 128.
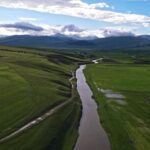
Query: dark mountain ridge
column 64, row 42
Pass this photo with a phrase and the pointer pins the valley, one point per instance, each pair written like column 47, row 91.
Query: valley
column 46, row 102
column 74, row 75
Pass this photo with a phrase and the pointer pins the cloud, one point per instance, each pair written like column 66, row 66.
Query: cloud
column 78, row 8
column 146, row 25
column 71, row 28
column 23, row 28
column 116, row 33
column 99, row 5
column 27, row 19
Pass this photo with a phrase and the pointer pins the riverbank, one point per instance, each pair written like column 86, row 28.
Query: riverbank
column 124, row 116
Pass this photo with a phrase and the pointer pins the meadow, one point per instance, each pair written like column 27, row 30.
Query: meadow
column 33, row 82
column 126, row 120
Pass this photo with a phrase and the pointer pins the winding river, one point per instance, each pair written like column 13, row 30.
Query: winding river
column 91, row 134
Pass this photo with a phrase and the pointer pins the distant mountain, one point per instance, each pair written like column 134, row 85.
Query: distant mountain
column 63, row 42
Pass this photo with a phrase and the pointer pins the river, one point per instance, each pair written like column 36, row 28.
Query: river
column 91, row 134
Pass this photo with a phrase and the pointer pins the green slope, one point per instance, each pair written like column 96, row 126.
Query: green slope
column 31, row 83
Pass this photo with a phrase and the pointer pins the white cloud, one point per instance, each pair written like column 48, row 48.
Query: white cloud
column 77, row 8
column 68, row 30
column 27, row 19
column 117, row 32
column 146, row 25
column 12, row 31
column 99, row 5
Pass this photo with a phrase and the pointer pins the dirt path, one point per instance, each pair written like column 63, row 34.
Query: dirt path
column 39, row 119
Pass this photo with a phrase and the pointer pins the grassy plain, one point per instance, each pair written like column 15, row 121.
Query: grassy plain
column 127, row 124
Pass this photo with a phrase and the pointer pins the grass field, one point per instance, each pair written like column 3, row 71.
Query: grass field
column 31, row 83
column 126, row 121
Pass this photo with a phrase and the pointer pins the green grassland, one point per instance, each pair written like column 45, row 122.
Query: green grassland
column 128, row 124
column 136, row 57
column 31, row 83
column 34, row 81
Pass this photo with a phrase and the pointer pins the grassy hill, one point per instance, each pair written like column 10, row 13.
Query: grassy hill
column 33, row 82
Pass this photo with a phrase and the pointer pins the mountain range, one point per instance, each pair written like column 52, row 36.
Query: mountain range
column 64, row 42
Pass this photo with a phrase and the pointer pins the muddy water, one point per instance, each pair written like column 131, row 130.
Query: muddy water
column 111, row 94
column 91, row 134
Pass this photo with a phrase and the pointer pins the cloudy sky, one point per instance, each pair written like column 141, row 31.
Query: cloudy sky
column 79, row 18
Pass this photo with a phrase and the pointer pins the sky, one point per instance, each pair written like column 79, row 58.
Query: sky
column 75, row 18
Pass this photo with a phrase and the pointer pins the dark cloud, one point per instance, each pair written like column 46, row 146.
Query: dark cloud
column 23, row 26
column 71, row 28
column 111, row 33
